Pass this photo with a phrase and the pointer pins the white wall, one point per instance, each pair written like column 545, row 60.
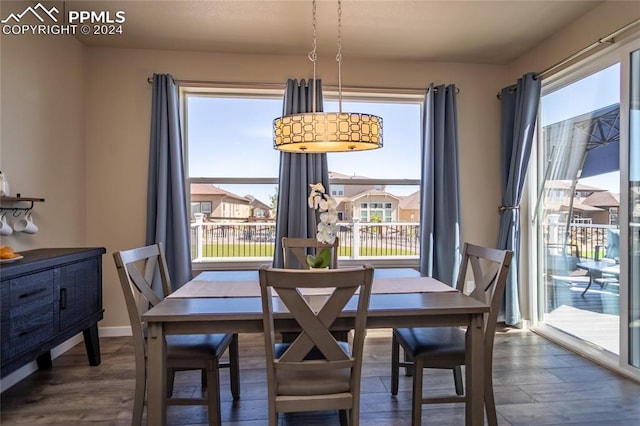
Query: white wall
column 42, row 133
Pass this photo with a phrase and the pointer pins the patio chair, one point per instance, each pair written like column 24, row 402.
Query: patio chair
column 444, row 347
column 316, row 371
column 136, row 269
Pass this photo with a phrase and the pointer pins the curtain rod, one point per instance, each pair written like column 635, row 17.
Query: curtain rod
column 268, row 85
column 607, row 39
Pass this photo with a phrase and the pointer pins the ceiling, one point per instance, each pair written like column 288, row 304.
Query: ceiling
column 489, row 32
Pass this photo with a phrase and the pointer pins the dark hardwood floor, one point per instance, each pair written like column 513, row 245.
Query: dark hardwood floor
column 535, row 381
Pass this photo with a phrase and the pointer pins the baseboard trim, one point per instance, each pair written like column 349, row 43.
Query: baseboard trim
column 115, row 331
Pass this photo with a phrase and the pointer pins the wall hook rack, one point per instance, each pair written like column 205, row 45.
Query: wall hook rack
column 17, row 201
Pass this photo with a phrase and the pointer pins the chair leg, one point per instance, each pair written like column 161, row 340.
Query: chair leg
column 457, row 380
column 354, row 416
column 213, row 391
column 489, row 401
column 170, row 379
column 273, row 418
column 203, row 379
column 395, row 364
column 138, row 397
column 416, row 399
column 234, row 367
column 344, row 417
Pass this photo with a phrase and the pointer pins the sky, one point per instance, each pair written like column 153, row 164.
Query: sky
column 245, row 148
column 232, row 136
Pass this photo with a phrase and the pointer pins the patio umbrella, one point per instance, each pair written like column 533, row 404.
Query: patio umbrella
column 583, row 146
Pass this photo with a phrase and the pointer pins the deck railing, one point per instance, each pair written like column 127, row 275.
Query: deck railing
column 237, row 241
column 586, row 238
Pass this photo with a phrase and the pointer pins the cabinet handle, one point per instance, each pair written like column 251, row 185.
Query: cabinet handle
column 29, row 330
column 63, row 298
column 31, row 293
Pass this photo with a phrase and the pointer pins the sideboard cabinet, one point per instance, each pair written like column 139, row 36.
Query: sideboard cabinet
column 47, row 297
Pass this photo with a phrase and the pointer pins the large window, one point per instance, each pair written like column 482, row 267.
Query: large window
column 233, row 167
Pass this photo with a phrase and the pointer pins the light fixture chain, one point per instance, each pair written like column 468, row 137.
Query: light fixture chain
column 313, row 56
column 339, row 56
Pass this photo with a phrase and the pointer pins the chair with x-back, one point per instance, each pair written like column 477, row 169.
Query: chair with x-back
column 136, row 270
column 444, row 347
column 315, row 372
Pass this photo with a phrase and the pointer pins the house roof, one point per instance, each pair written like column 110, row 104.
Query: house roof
column 373, row 193
column 410, row 202
column 206, row 189
column 602, row 199
column 336, row 175
column 566, row 184
column 581, row 207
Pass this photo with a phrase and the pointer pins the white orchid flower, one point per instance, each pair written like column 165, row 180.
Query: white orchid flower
column 327, row 228
column 327, row 203
column 317, row 187
column 325, row 236
column 314, row 200
column 330, row 217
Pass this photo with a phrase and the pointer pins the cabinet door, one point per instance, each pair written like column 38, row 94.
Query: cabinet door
column 30, row 319
column 79, row 291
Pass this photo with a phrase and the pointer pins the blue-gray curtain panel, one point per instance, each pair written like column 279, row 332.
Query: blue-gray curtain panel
column 294, row 218
column 519, row 114
column 439, row 186
column 167, row 218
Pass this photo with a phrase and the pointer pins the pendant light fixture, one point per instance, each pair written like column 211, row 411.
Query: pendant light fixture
column 316, row 132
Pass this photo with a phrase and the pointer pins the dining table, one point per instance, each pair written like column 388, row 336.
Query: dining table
column 229, row 302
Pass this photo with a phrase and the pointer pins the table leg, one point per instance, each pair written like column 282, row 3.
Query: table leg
column 156, row 375
column 474, row 414
column 590, row 272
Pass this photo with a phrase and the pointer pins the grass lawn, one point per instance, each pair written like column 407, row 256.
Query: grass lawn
column 266, row 250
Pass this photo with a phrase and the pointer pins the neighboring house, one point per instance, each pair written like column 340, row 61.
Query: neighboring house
column 218, row 204
column 371, row 202
column 608, row 205
column 350, row 190
column 259, row 210
column 409, row 207
column 369, row 206
column 590, row 204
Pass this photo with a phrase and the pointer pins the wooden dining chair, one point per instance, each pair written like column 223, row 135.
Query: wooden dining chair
column 444, row 347
column 315, row 372
column 295, row 251
column 136, row 270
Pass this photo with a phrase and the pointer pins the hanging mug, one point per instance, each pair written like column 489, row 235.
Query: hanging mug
column 5, row 228
column 25, row 225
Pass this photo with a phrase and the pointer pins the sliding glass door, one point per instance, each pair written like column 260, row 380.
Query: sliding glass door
column 586, row 219
column 634, row 210
column 578, row 222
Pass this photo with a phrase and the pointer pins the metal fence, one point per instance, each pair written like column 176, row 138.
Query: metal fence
column 587, row 239
column 225, row 241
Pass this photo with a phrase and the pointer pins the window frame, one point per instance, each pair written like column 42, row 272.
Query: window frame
column 275, row 91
